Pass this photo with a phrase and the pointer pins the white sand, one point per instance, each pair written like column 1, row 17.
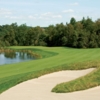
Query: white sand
column 40, row 88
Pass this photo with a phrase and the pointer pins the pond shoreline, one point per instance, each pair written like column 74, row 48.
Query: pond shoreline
column 14, row 57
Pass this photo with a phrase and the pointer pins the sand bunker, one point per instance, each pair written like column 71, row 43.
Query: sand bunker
column 40, row 88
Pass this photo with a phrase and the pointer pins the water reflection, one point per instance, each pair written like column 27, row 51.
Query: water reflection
column 10, row 54
column 14, row 57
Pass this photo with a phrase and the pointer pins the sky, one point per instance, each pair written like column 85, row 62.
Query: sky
column 47, row 12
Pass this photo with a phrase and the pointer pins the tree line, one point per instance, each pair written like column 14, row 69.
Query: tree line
column 78, row 34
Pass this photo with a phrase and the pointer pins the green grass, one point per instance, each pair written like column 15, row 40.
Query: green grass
column 53, row 59
column 88, row 81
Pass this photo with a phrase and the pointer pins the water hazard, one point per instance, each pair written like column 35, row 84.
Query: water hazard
column 14, row 57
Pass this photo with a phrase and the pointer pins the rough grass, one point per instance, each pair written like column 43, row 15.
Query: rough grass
column 53, row 59
column 90, row 80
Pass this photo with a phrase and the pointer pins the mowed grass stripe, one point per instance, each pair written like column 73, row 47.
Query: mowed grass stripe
column 63, row 57
column 71, row 56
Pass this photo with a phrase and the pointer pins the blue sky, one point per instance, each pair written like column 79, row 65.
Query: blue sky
column 47, row 12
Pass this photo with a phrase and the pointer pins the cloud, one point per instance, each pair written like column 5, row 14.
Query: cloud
column 14, row 17
column 5, row 11
column 49, row 15
column 68, row 11
column 57, row 16
column 74, row 4
column 43, row 16
column 32, row 17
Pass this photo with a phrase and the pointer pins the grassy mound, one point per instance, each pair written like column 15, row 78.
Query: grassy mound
column 82, row 83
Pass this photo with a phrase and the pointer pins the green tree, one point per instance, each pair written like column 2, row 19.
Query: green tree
column 73, row 21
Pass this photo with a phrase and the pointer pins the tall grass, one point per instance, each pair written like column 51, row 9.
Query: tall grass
column 12, row 51
column 88, row 81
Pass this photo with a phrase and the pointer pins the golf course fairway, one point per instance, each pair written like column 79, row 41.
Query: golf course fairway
column 52, row 59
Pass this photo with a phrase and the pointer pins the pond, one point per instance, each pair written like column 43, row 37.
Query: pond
column 14, row 57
